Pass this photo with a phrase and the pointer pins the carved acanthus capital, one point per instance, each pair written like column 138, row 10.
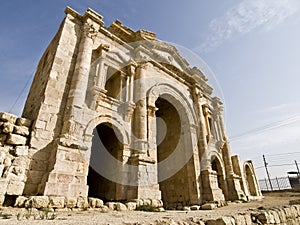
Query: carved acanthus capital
column 90, row 30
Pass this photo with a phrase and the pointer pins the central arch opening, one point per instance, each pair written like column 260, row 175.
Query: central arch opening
column 105, row 139
column 168, row 138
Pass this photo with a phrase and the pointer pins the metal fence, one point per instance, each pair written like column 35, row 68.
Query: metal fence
column 278, row 183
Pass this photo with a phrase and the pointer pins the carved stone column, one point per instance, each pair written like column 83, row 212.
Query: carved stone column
column 147, row 180
column 140, row 123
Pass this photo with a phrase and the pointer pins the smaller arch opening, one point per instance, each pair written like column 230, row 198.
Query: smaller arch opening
column 105, row 139
column 216, row 166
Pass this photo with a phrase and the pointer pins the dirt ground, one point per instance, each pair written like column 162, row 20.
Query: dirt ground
column 134, row 217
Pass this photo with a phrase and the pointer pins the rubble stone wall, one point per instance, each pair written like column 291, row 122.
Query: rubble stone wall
column 14, row 154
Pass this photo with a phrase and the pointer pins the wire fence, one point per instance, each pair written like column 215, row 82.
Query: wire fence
column 278, row 183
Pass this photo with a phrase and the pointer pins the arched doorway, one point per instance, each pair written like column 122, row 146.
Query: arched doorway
column 105, row 140
column 170, row 137
column 216, row 166
column 250, row 181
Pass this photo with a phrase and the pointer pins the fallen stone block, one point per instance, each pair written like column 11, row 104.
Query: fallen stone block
column 56, row 202
column 121, row 207
column 111, row 205
column 156, row 203
column 7, row 117
column 15, row 139
column 92, row 202
column 82, row 203
column 20, row 201
column 39, row 202
column 23, row 122
column 208, row 206
column 71, row 202
column 24, row 131
column 131, row 206
column 195, row 207
column 99, row 203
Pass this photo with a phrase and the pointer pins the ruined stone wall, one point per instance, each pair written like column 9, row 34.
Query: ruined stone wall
column 14, row 154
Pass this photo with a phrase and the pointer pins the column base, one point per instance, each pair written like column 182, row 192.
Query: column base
column 211, row 191
column 235, row 191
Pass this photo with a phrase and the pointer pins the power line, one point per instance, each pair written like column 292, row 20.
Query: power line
column 21, row 92
column 268, row 127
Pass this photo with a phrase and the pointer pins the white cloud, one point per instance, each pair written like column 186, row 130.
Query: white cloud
column 246, row 16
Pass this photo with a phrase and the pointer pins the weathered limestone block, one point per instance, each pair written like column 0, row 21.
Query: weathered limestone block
column 71, row 202
column 221, row 221
column 56, row 202
column 39, row 202
column 263, row 217
column 147, row 202
column 240, row 220
column 15, row 139
column 131, row 206
column 21, row 151
column 156, row 203
column 21, row 161
column 121, row 207
column 3, row 186
column 7, row 161
column 7, row 117
column 208, row 206
column 248, row 219
column 2, row 156
column 275, row 216
column 16, row 173
column 1, row 170
column 20, row 201
column 99, row 203
column 82, row 203
column 186, row 208
column 23, row 122
column 24, row 131
column 195, row 207
column 111, row 205
column 92, row 202
column 15, row 187
column 7, row 127
column 3, row 138
column 2, row 198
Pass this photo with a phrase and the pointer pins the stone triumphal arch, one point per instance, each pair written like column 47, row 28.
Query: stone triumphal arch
column 117, row 114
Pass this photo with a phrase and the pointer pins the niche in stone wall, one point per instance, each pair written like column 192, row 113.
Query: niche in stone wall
column 113, row 83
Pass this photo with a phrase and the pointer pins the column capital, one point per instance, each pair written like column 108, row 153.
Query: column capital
column 151, row 110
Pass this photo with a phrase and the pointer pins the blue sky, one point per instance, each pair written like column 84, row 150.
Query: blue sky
column 252, row 47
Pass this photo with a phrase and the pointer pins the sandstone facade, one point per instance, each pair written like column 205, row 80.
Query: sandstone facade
column 119, row 115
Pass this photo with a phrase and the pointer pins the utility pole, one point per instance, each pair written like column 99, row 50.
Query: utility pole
column 297, row 168
column 267, row 171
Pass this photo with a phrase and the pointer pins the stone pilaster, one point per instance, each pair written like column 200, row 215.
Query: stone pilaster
column 233, row 181
column 68, row 166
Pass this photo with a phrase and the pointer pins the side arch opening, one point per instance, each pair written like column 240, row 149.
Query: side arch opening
column 105, row 139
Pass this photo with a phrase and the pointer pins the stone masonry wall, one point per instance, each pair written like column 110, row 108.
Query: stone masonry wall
column 14, row 157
